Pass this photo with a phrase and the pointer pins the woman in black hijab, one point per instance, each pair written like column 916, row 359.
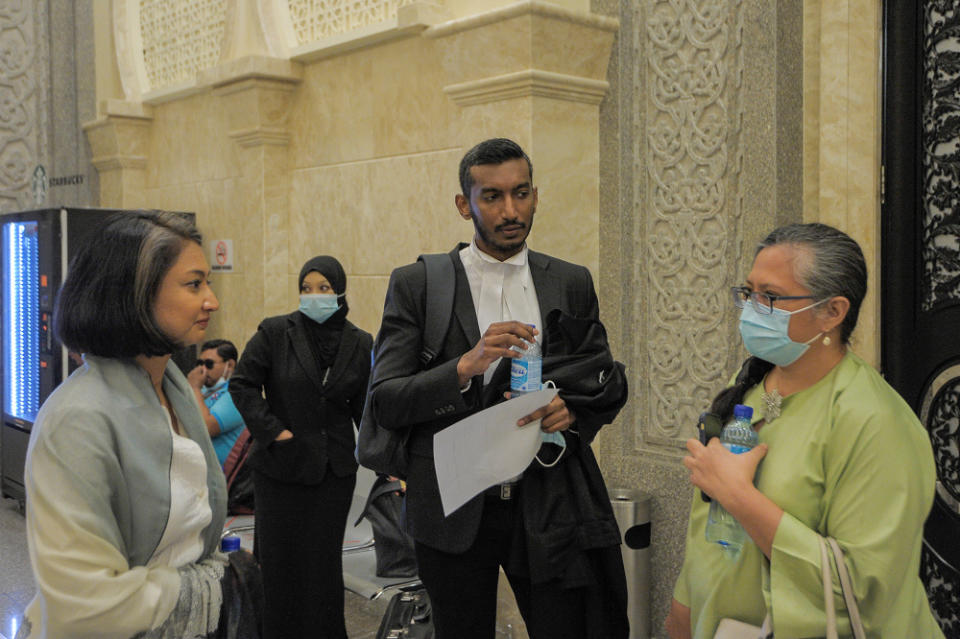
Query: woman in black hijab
column 300, row 386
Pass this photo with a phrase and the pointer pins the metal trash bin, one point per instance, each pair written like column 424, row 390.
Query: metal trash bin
column 632, row 511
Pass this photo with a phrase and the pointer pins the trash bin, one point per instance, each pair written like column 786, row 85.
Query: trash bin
column 632, row 511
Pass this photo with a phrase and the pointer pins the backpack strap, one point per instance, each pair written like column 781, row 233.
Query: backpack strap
column 441, row 285
column 237, row 456
column 381, row 486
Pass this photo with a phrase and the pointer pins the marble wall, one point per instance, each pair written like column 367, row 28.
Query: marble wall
column 279, row 155
column 841, row 136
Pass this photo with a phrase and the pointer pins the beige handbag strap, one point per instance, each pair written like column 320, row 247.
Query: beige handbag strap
column 853, row 611
column 827, row 590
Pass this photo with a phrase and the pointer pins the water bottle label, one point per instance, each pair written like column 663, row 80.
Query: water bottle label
column 518, row 374
column 524, row 375
column 736, row 449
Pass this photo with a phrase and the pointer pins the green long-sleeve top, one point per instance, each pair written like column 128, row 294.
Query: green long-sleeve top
column 848, row 459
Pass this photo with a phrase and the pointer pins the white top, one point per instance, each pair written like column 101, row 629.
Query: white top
column 501, row 291
column 182, row 541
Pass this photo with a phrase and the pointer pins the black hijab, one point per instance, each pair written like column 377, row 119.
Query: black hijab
column 325, row 338
column 330, row 268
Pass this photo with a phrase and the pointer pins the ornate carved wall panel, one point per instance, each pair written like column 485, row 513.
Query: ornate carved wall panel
column 943, row 589
column 940, row 559
column 23, row 102
column 941, row 416
column 688, row 208
column 180, row 37
column 941, row 147
column 317, row 19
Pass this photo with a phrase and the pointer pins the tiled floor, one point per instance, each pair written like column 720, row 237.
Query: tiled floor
column 16, row 582
column 17, row 588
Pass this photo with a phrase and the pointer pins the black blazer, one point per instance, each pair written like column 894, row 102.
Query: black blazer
column 277, row 385
column 402, row 394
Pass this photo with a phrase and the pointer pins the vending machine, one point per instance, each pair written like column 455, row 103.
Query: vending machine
column 34, row 255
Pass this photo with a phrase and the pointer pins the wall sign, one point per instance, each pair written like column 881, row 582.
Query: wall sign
column 221, row 256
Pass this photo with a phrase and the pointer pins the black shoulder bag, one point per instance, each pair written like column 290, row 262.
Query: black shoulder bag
column 382, row 450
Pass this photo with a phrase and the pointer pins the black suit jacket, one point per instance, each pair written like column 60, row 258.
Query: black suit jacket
column 277, row 385
column 402, row 394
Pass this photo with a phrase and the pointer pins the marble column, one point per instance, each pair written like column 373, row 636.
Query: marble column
column 119, row 141
column 841, row 136
column 536, row 73
column 256, row 93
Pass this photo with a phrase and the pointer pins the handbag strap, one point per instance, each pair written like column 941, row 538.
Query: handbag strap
column 827, row 590
column 853, row 611
column 766, row 628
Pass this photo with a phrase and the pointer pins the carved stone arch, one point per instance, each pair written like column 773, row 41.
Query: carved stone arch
column 129, row 48
column 164, row 43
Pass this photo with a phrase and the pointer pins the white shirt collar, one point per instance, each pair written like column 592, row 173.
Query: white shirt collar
column 477, row 259
column 520, row 259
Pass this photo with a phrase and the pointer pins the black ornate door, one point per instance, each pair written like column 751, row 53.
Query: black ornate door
column 920, row 273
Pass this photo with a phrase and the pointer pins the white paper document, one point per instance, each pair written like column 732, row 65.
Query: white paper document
column 486, row 448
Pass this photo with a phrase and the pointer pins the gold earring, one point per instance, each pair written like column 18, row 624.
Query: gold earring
column 827, row 340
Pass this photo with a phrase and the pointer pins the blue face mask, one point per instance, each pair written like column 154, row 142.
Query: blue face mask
column 767, row 337
column 319, row 307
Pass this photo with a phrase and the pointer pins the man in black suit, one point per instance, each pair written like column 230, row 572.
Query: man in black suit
column 502, row 290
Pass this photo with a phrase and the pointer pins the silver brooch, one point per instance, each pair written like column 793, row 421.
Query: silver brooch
column 771, row 405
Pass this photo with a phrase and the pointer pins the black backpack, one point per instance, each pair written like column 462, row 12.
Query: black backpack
column 384, row 451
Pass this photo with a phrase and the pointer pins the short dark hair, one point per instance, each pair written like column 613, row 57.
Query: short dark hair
column 225, row 348
column 105, row 306
column 492, row 151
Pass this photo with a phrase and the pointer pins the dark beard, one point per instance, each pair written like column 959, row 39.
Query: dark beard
column 492, row 241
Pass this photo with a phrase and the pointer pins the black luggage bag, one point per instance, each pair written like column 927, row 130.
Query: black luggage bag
column 408, row 616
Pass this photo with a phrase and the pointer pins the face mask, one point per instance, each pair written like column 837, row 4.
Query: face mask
column 766, row 336
column 553, row 438
column 222, row 380
column 319, row 307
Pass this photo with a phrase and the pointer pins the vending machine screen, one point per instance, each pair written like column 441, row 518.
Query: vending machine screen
column 21, row 320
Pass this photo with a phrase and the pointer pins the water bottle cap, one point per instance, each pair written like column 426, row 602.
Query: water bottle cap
column 230, row 544
column 742, row 412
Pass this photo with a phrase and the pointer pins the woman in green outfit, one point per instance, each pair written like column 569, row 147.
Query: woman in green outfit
column 842, row 456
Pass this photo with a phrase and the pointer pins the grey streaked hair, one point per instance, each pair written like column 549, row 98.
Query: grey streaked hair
column 166, row 233
column 835, row 266
column 106, row 304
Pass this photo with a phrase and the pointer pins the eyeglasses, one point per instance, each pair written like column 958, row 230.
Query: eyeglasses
column 209, row 363
column 762, row 302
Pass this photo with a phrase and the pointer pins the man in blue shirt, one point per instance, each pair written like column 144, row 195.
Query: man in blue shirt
column 209, row 379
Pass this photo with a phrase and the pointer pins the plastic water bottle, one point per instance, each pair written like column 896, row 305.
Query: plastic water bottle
column 230, row 543
column 526, row 369
column 739, row 437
